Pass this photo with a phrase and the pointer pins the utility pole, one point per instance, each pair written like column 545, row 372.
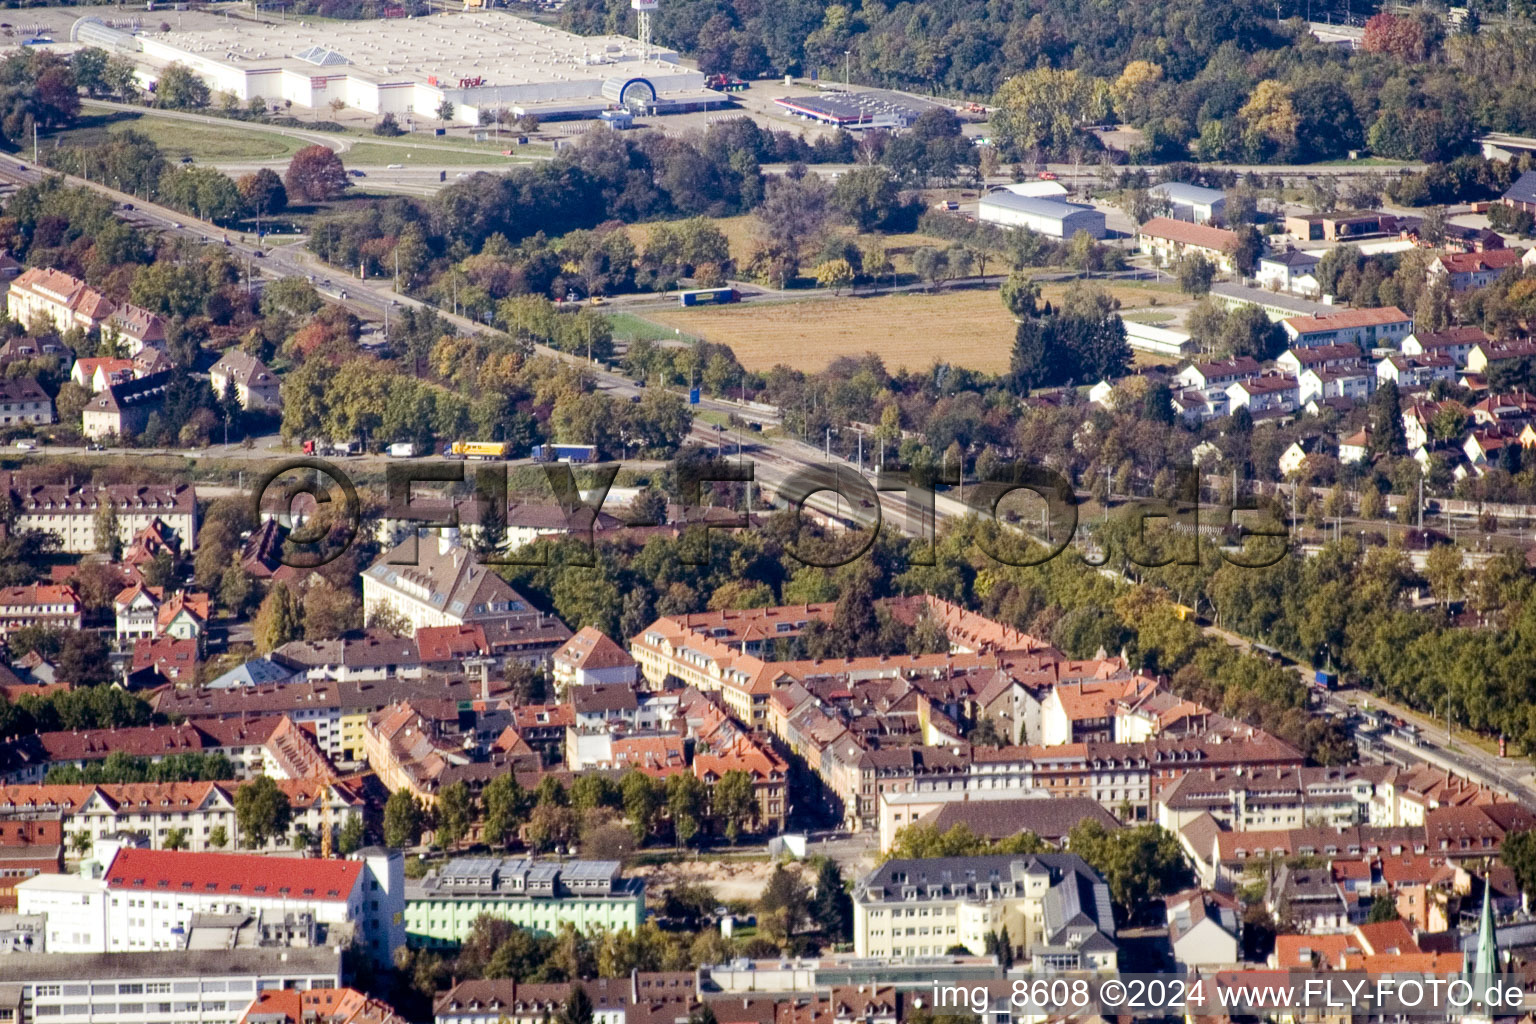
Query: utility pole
column 846, row 58
column 1421, row 501
column 35, row 160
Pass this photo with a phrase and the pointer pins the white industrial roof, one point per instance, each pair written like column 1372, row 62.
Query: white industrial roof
column 495, row 47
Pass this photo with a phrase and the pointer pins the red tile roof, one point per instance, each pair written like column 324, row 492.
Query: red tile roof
column 1344, row 318
column 1492, row 259
column 591, row 649
column 1202, row 235
column 249, row 875
column 450, row 643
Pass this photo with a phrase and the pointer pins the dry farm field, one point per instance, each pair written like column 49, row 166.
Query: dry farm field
column 966, row 326
column 970, row 328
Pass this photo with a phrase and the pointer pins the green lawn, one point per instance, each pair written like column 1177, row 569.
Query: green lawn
column 177, row 139
column 629, row 327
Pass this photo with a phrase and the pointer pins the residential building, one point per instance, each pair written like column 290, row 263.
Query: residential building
column 255, row 746
column 1320, row 357
column 203, row 986
column 1081, row 711
column 1167, row 241
column 335, row 712
column 1363, row 328
column 42, row 295
column 1352, row 384
column 1052, row 217
column 1055, row 909
column 96, row 373
column 991, row 814
column 768, row 771
column 319, row 1006
column 642, row 997
column 23, row 400
column 436, row 581
column 54, row 606
column 256, row 387
column 137, row 329
column 1456, row 342
column 1467, row 270
column 1271, row 393
column 192, row 810
column 1411, row 373
column 1218, row 373
column 590, row 657
column 1204, row 928
column 1484, row 355
column 70, row 511
column 1249, row 799
column 1295, row 456
column 1309, row 898
column 541, row 896
column 1192, row 202
column 372, row 656
column 1289, row 271
column 146, row 612
column 123, row 410
column 1354, row 447
column 166, row 659
column 145, row 900
column 424, row 746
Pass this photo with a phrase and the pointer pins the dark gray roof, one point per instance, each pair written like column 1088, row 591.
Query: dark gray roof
column 1293, row 258
column 287, row 962
column 1524, row 189
column 350, row 652
column 1000, row 819
column 988, row 870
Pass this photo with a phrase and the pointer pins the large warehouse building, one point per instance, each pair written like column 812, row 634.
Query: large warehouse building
column 1054, row 217
column 486, row 60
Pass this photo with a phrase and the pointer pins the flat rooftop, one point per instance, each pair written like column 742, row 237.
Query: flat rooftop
column 35, row 967
column 487, row 48
column 866, row 106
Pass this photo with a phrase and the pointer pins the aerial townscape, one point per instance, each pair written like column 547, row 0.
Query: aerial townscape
column 703, row 512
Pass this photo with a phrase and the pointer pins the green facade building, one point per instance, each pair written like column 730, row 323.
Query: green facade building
column 541, row 896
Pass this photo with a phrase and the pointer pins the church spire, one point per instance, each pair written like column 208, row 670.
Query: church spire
column 1484, row 962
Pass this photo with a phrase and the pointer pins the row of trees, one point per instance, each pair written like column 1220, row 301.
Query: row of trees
column 610, row 816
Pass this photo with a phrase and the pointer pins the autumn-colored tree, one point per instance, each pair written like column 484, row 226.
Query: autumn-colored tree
column 1403, row 38
column 263, row 192
column 1269, row 121
column 316, row 175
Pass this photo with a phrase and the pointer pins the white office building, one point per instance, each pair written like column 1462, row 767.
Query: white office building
column 132, row 900
column 211, row 986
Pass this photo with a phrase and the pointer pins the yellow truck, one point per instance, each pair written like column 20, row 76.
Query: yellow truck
column 478, row 450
